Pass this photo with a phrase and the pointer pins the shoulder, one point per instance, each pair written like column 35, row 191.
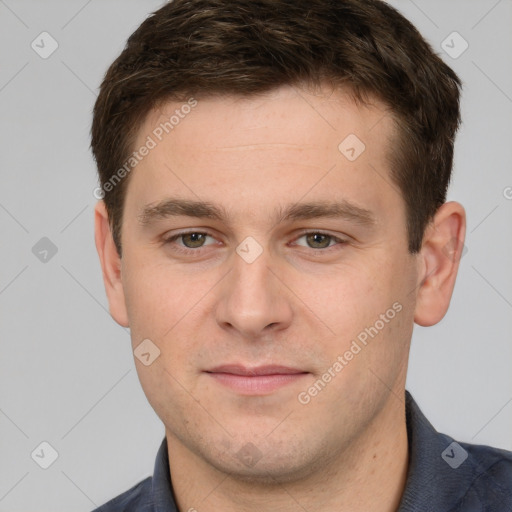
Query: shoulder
column 453, row 476
column 490, row 486
column 134, row 499
column 152, row 493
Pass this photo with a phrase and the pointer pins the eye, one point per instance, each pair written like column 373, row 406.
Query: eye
column 195, row 241
column 319, row 240
column 191, row 241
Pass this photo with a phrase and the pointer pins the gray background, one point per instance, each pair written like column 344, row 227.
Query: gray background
column 67, row 374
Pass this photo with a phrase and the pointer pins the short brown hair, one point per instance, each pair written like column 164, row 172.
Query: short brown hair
column 202, row 48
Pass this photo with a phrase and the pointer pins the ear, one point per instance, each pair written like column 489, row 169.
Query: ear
column 110, row 265
column 441, row 251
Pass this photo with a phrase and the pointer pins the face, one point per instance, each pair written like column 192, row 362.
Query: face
column 281, row 330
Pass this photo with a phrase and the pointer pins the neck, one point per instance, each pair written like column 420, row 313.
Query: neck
column 369, row 475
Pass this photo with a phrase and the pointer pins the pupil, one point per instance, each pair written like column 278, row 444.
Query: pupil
column 318, row 235
column 196, row 237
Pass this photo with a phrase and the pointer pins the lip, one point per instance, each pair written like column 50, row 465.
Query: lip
column 258, row 380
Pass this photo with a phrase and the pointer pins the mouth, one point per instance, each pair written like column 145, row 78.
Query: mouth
column 258, row 380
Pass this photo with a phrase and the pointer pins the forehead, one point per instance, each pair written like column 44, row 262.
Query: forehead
column 321, row 110
column 284, row 142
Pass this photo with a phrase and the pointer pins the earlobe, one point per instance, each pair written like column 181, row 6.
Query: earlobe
column 441, row 251
column 110, row 265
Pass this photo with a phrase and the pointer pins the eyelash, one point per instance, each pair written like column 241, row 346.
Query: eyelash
column 189, row 251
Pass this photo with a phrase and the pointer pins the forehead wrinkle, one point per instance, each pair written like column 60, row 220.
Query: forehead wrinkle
column 264, row 145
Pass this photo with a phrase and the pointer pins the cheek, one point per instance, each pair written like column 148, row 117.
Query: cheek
column 165, row 307
column 356, row 298
column 154, row 298
column 352, row 296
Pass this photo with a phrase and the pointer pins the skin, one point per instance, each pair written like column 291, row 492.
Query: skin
column 299, row 304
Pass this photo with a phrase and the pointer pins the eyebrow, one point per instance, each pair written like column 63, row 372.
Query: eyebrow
column 176, row 207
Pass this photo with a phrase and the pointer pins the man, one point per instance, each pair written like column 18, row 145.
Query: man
column 273, row 224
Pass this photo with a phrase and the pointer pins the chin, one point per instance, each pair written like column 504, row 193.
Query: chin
column 269, row 466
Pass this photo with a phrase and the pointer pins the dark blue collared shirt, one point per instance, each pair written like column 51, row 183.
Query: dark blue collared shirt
column 443, row 476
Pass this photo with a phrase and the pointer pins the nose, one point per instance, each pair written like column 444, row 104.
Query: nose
column 253, row 300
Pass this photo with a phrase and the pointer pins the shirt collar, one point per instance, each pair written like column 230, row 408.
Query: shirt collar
column 432, row 484
column 161, row 490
